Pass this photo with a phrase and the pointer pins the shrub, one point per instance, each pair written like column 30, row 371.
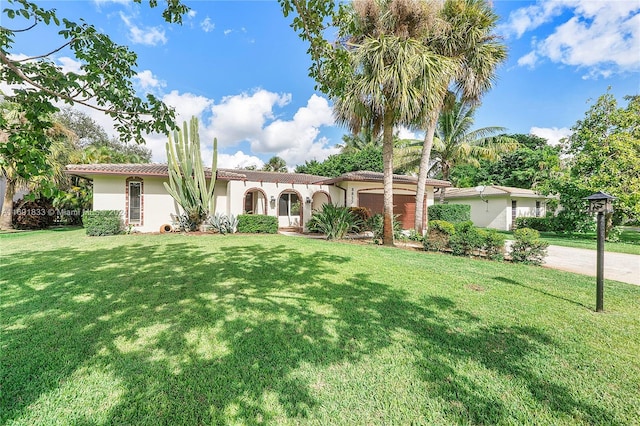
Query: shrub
column 466, row 240
column 102, row 222
column 223, row 224
column 542, row 224
column 375, row 224
column 36, row 214
column 614, row 235
column 257, row 224
column 438, row 235
column 184, row 223
column 362, row 213
column 453, row 213
column 528, row 247
column 493, row 244
column 334, row 221
column 569, row 222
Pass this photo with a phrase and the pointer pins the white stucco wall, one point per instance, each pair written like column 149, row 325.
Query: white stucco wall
column 109, row 193
column 496, row 213
column 236, row 191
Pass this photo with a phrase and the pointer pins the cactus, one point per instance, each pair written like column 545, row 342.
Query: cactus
column 187, row 182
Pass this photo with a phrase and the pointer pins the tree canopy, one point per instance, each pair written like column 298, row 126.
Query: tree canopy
column 369, row 159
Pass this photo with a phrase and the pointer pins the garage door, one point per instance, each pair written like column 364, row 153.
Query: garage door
column 403, row 205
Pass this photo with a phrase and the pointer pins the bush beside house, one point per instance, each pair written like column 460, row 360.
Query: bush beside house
column 102, row 222
column 453, row 213
column 257, row 224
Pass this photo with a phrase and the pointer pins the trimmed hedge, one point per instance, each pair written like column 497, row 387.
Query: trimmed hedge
column 454, row 213
column 102, row 222
column 257, row 224
column 438, row 235
column 542, row 224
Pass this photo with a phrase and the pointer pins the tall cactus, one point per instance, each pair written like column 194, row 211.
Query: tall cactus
column 187, row 182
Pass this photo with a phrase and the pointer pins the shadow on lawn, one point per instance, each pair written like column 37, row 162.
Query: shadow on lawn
column 199, row 336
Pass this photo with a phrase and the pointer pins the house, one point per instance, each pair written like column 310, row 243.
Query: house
column 498, row 206
column 138, row 191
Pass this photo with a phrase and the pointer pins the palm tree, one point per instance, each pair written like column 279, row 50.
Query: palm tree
column 456, row 143
column 467, row 39
column 394, row 74
column 360, row 141
column 275, row 164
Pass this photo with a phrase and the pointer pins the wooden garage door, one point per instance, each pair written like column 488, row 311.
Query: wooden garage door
column 403, row 205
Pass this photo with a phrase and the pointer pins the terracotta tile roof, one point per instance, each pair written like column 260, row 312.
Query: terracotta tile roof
column 117, row 169
column 160, row 170
column 491, row 190
column 363, row 176
column 261, row 176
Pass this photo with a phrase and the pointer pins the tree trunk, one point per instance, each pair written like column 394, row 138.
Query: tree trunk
column 6, row 218
column 445, row 176
column 421, row 209
column 387, row 161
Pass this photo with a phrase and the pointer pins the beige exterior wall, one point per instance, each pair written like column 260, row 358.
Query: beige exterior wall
column 157, row 205
column 496, row 213
column 110, row 194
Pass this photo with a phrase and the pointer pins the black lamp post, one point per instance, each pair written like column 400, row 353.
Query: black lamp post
column 601, row 204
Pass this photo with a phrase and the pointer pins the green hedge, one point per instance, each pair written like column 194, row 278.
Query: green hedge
column 453, row 213
column 542, row 224
column 102, row 222
column 257, row 224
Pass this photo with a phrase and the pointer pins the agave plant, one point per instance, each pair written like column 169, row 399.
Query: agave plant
column 334, row 221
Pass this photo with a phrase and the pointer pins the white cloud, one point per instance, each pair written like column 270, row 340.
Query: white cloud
column 148, row 81
column 150, row 36
column 405, row 133
column 192, row 13
column 552, row 134
column 602, row 36
column 207, row 26
column 242, row 117
column 529, row 60
column 237, row 160
column 227, row 32
column 70, row 65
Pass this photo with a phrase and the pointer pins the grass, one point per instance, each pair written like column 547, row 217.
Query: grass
column 187, row 330
column 629, row 241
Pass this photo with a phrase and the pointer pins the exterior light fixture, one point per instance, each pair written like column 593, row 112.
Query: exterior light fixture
column 601, row 204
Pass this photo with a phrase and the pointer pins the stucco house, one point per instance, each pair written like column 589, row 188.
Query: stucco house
column 498, row 206
column 138, row 191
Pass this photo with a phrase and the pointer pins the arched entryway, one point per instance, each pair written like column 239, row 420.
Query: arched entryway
column 289, row 209
column 255, row 201
column 320, row 198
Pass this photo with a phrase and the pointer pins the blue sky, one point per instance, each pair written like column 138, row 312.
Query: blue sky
column 239, row 67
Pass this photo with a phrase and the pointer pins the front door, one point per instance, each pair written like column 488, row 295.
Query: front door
column 289, row 210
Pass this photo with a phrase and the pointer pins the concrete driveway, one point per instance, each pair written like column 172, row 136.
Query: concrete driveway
column 617, row 266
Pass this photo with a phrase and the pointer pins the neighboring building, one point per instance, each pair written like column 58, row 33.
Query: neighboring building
column 498, row 206
column 138, row 191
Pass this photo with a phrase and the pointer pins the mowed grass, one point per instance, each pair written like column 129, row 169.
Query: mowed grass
column 191, row 330
column 629, row 241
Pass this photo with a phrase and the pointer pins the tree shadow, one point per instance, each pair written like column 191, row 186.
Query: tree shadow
column 203, row 336
column 537, row 290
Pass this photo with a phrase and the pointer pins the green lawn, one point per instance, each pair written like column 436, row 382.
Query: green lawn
column 629, row 241
column 189, row 330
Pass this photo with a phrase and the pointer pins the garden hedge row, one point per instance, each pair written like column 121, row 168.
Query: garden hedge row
column 257, row 224
column 453, row 213
column 102, row 222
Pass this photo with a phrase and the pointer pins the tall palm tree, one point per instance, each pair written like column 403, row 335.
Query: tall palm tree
column 467, row 38
column 457, row 143
column 394, row 74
